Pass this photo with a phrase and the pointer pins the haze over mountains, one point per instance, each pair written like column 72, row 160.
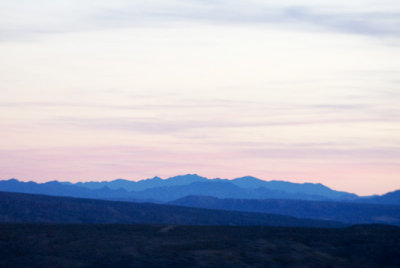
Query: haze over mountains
column 245, row 194
column 167, row 190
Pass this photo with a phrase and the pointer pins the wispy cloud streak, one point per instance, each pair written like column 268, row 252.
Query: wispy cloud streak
column 85, row 16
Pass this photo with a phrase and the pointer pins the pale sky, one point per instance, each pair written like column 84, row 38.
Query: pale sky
column 302, row 91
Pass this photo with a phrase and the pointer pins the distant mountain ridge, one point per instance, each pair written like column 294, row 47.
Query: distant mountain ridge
column 247, row 182
column 390, row 198
column 166, row 190
column 143, row 184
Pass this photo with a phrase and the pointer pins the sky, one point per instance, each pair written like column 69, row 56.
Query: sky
column 302, row 91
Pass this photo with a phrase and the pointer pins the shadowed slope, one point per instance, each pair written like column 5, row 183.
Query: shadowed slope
column 354, row 213
column 15, row 207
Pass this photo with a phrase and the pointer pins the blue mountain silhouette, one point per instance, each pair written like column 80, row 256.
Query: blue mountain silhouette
column 165, row 190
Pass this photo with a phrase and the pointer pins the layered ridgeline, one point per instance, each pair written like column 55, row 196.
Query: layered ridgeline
column 347, row 212
column 18, row 207
column 166, row 190
column 246, row 194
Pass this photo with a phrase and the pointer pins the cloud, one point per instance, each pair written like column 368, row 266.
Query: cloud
column 30, row 19
column 185, row 115
column 160, row 126
column 371, row 23
column 305, row 152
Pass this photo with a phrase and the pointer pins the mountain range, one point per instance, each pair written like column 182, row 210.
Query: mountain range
column 170, row 189
column 244, row 195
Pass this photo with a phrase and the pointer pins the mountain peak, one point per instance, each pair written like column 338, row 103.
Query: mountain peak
column 188, row 177
column 247, row 178
column 119, row 180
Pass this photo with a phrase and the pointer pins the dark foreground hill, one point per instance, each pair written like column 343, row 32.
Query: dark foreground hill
column 349, row 212
column 17, row 207
column 77, row 245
